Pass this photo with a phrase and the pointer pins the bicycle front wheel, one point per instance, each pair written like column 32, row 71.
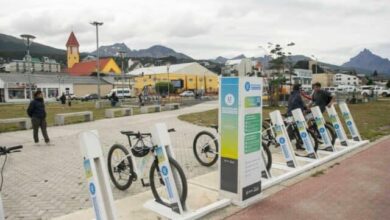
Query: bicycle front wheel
column 267, row 157
column 120, row 167
column 158, row 186
column 205, row 148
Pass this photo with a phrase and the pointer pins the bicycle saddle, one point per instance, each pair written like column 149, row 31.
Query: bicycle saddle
column 127, row 132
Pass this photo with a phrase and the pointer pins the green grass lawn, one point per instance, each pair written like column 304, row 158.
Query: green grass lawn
column 372, row 119
column 19, row 110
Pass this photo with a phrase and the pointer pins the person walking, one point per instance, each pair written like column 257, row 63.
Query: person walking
column 36, row 111
column 295, row 100
column 114, row 99
column 63, row 99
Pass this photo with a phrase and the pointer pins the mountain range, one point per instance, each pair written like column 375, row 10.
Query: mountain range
column 156, row 51
column 369, row 61
column 13, row 48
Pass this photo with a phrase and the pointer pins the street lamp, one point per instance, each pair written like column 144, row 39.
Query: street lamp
column 97, row 24
column 316, row 63
column 169, row 82
column 28, row 39
column 122, row 56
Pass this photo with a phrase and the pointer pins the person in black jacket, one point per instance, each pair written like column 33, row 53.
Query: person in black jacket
column 36, row 111
column 295, row 101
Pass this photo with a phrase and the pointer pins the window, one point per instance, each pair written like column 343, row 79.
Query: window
column 52, row 92
column 16, row 93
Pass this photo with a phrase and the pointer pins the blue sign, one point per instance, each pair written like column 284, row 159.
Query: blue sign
column 92, row 188
column 247, row 86
column 282, row 140
column 164, row 170
column 303, row 135
column 322, row 130
column 336, row 126
column 349, row 123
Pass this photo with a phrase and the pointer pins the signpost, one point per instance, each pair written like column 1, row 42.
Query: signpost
column 283, row 139
column 338, row 127
column 350, row 122
column 302, row 126
column 320, row 122
column 97, row 176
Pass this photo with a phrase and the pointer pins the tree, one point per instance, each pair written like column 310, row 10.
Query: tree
column 162, row 88
column 375, row 74
column 388, row 84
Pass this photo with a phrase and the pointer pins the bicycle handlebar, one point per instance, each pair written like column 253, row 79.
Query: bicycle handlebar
column 5, row 150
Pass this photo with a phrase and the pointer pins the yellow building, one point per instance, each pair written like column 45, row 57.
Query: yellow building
column 72, row 50
column 185, row 76
column 107, row 66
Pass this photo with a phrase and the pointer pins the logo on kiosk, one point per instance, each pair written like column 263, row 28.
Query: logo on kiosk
column 282, row 140
column 229, row 99
column 254, row 87
column 92, row 188
column 247, row 86
column 322, row 130
column 164, row 170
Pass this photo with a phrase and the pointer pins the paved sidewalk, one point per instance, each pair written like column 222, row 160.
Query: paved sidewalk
column 356, row 188
column 43, row 181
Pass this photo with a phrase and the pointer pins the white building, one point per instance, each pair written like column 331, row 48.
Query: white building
column 345, row 79
column 35, row 65
column 303, row 77
column 15, row 87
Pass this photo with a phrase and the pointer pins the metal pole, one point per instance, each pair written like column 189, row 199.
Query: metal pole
column 123, row 81
column 97, row 24
column 169, row 82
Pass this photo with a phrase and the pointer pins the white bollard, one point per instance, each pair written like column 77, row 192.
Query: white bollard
column 302, row 126
column 350, row 122
column 320, row 122
column 338, row 127
column 283, row 139
column 97, row 176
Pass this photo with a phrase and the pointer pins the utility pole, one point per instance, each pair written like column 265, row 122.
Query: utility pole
column 169, row 82
column 122, row 56
column 97, row 24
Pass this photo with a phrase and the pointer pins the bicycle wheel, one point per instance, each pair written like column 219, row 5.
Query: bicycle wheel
column 267, row 157
column 120, row 167
column 158, row 187
column 266, row 134
column 331, row 131
column 205, row 148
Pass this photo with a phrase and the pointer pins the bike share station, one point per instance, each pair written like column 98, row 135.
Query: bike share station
column 242, row 169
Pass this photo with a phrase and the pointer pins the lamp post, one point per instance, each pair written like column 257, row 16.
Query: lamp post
column 291, row 68
column 316, row 63
column 122, row 56
column 169, row 82
column 97, row 24
column 28, row 39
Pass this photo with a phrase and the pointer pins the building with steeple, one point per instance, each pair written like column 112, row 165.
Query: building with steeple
column 72, row 50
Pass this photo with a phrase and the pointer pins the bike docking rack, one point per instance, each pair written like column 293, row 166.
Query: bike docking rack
column 97, row 176
column 294, row 164
column 177, row 210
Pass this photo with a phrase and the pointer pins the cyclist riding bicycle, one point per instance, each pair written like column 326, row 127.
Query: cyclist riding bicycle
column 295, row 100
column 321, row 98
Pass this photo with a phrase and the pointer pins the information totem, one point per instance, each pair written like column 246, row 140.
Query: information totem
column 240, row 116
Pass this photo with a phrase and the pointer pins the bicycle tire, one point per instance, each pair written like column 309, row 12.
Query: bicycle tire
column 267, row 151
column 127, row 183
column 331, row 131
column 183, row 190
column 195, row 148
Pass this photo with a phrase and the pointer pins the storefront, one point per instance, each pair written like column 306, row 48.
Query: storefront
column 16, row 87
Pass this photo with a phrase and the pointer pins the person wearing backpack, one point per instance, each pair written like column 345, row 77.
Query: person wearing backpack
column 36, row 111
column 321, row 97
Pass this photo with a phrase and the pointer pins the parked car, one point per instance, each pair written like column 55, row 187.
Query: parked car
column 383, row 92
column 89, row 97
column 125, row 92
column 187, row 94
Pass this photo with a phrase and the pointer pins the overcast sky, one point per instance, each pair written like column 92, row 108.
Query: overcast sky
column 332, row 30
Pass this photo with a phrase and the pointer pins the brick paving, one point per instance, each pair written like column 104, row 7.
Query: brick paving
column 357, row 188
column 43, row 181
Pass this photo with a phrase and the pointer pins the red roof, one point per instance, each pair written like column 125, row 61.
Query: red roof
column 86, row 68
column 72, row 40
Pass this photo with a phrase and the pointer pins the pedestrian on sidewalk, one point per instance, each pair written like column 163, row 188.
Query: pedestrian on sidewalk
column 36, row 111
column 63, row 100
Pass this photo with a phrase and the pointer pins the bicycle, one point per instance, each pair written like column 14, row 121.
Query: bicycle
column 313, row 127
column 205, row 147
column 4, row 151
column 293, row 133
column 123, row 169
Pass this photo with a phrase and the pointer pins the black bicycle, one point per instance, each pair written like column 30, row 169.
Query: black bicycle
column 206, row 148
column 124, row 168
column 4, row 151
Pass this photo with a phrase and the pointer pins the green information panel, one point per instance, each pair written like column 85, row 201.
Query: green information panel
column 252, row 123
column 252, row 143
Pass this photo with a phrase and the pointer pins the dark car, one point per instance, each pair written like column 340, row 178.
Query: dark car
column 89, row 97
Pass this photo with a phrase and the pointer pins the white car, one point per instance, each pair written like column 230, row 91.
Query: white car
column 187, row 94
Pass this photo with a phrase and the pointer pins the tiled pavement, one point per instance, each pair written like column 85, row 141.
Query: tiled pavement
column 357, row 188
column 46, row 181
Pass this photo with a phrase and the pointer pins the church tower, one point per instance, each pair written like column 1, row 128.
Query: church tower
column 72, row 48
